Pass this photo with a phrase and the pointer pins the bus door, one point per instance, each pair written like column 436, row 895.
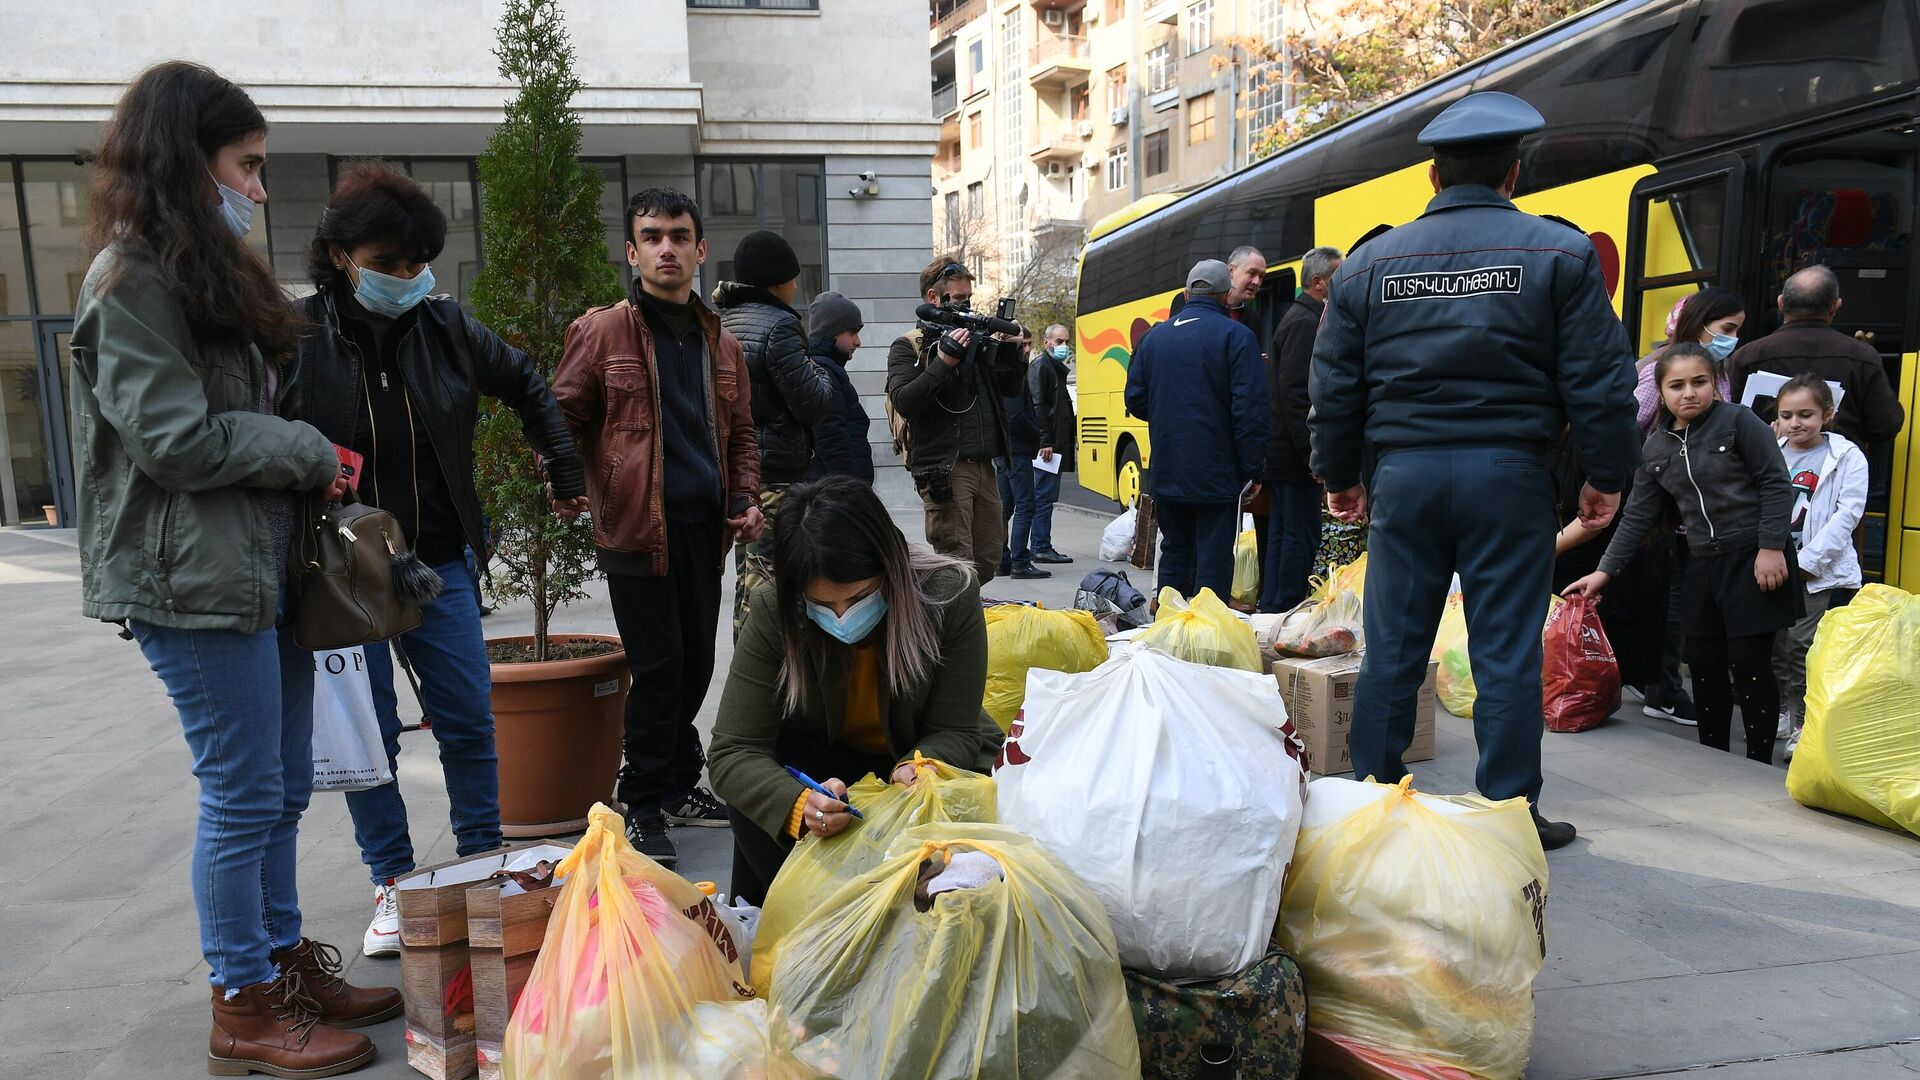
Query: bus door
column 1847, row 201
column 1683, row 228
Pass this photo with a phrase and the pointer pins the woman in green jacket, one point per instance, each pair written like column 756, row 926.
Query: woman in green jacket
column 863, row 652
column 188, row 491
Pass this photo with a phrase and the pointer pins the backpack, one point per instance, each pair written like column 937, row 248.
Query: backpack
column 1112, row 598
column 897, row 424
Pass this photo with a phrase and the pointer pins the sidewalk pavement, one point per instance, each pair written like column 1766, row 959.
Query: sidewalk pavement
column 1702, row 921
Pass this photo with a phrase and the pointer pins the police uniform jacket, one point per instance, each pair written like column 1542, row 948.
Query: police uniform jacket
column 1473, row 325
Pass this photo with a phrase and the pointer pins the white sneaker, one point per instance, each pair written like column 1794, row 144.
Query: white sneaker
column 1793, row 743
column 383, row 934
column 1789, row 720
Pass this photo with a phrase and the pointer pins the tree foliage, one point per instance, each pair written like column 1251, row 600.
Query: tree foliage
column 545, row 263
column 1338, row 59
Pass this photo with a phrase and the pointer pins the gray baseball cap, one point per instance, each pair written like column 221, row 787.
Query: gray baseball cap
column 1209, row 277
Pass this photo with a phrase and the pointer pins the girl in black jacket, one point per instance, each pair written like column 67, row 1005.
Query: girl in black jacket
column 1719, row 465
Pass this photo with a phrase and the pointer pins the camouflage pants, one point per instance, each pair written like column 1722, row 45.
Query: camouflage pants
column 754, row 562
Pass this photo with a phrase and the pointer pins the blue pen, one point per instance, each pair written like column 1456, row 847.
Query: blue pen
column 815, row 785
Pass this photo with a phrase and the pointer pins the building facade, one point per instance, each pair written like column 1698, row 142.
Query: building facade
column 751, row 105
column 1056, row 113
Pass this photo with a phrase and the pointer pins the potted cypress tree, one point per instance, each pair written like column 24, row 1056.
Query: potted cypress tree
column 557, row 699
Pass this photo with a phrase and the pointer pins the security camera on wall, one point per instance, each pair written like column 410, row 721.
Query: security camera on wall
column 868, row 187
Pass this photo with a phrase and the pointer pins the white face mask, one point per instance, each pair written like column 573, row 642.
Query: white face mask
column 234, row 208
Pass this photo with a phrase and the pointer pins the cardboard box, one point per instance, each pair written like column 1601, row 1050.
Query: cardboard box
column 436, row 972
column 505, row 928
column 1319, row 699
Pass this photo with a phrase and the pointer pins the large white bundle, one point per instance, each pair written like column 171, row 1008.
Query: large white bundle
column 1171, row 789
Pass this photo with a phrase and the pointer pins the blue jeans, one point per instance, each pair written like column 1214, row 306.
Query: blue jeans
column 246, row 707
column 1016, row 501
column 1046, row 492
column 1293, row 540
column 449, row 654
column 1196, row 545
column 1486, row 512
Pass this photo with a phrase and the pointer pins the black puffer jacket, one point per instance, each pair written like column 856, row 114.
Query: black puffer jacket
column 791, row 392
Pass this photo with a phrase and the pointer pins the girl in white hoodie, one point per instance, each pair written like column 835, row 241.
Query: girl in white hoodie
column 1829, row 476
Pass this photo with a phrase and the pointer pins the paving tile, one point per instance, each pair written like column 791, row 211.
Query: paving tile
column 1712, row 860
column 58, row 1020
column 60, row 1065
column 1813, row 842
column 1624, row 1028
column 154, row 774
column 33, row 935
column 1584, row 950
column 1897, row 971
column 28, row 791
column 1901, row 888
column 1874, row 1063
column 152, row 936
column 118, row 862
column 1596, row 815
column 1815, row 904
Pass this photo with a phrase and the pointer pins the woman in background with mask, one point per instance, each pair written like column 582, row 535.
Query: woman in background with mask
column 395, row 374
column 862, row 653
column 1710, row 317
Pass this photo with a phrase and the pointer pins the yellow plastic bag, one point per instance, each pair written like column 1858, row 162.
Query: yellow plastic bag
column 1859, row 752
column 1328, row 622
column 1420, row 924
column 1020, row 637
column 630, row 949
column 818, row 866
column 1454, row 685
column 1203, row 632
column 1015, row 978
column 1246, row 569
column 735, row 1040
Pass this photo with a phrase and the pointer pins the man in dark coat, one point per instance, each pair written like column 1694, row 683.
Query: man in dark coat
column 841, row 441
column 1293, row 495
column 1197, row 382
column 1869, row 411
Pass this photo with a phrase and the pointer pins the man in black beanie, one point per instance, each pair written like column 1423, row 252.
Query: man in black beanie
column 791, row 392
column 845, row 449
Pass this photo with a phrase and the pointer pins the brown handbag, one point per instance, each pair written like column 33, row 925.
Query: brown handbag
column 1145, row 532
column 354, row 580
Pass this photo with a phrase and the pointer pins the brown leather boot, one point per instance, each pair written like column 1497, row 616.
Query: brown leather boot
column 274, row 1028
column 342, row 1004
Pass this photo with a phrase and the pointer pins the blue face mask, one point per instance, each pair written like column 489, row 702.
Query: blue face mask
column 384, row 294
column 1722, row 346
column 233, row 207
column 1061, row 352
column 853, row 627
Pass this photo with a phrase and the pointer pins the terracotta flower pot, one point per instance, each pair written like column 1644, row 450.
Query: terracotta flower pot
column 557, row 726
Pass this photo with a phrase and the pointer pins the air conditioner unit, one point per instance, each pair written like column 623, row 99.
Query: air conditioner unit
column 1086, row 129
column 1054, row 18
column 1054, row 168
column 1119, row 116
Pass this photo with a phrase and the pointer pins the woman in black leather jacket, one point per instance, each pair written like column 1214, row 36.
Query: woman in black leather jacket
column 390, row 371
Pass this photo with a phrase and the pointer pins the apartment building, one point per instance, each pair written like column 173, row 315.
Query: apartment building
column 828, row 145
column 1056, row 113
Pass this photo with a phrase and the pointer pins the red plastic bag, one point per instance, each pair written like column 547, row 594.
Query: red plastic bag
column 1580, row 681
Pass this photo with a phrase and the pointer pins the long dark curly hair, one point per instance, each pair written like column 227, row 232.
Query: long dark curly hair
column 152, row 195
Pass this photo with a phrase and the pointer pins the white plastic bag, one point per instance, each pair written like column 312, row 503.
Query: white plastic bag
column 1116, row 540
column 1174, row 790
column 348, row 753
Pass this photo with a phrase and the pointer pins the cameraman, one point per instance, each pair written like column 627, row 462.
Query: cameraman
column 946, row 383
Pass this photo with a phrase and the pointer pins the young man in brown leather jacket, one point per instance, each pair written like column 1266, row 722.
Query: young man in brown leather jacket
column 658, row 398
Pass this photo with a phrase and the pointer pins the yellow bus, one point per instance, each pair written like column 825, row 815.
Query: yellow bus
column 1698, row 142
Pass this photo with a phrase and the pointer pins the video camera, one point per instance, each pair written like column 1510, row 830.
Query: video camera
column 1001, row 322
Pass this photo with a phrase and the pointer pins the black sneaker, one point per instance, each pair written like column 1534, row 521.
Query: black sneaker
column 1029, row 572
column 1680, row 712
column 648, row 835
column 1553, row 834
column 1050, row 556
column 1005, row 568
column 700, row 807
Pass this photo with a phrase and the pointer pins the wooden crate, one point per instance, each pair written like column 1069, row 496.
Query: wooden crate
column 505, row 926
column 436, row 972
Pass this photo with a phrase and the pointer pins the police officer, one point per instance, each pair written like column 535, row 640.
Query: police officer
column 1454, row 348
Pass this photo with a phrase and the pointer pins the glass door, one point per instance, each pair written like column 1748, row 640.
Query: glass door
column 56, row 419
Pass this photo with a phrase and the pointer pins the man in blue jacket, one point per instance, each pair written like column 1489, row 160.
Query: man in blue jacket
column 1453, row 350
column 1196, row 380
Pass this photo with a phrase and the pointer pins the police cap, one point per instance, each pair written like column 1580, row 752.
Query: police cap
column 1484, row 120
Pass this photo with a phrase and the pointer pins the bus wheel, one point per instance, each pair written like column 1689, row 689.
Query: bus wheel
column 1127, row 482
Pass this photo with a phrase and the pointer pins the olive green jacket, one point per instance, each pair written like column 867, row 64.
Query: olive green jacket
column 170, row 438
column 941, row 718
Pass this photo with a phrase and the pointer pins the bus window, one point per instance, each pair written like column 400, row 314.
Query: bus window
column 1848, row 203
column 1760, row 63
column 1678, row 244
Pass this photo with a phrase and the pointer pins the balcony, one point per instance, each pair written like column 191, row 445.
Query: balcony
column 947, row 16
column 1161, row 11
column 1059, row 60
column 946, row 101
column 1056, row 142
